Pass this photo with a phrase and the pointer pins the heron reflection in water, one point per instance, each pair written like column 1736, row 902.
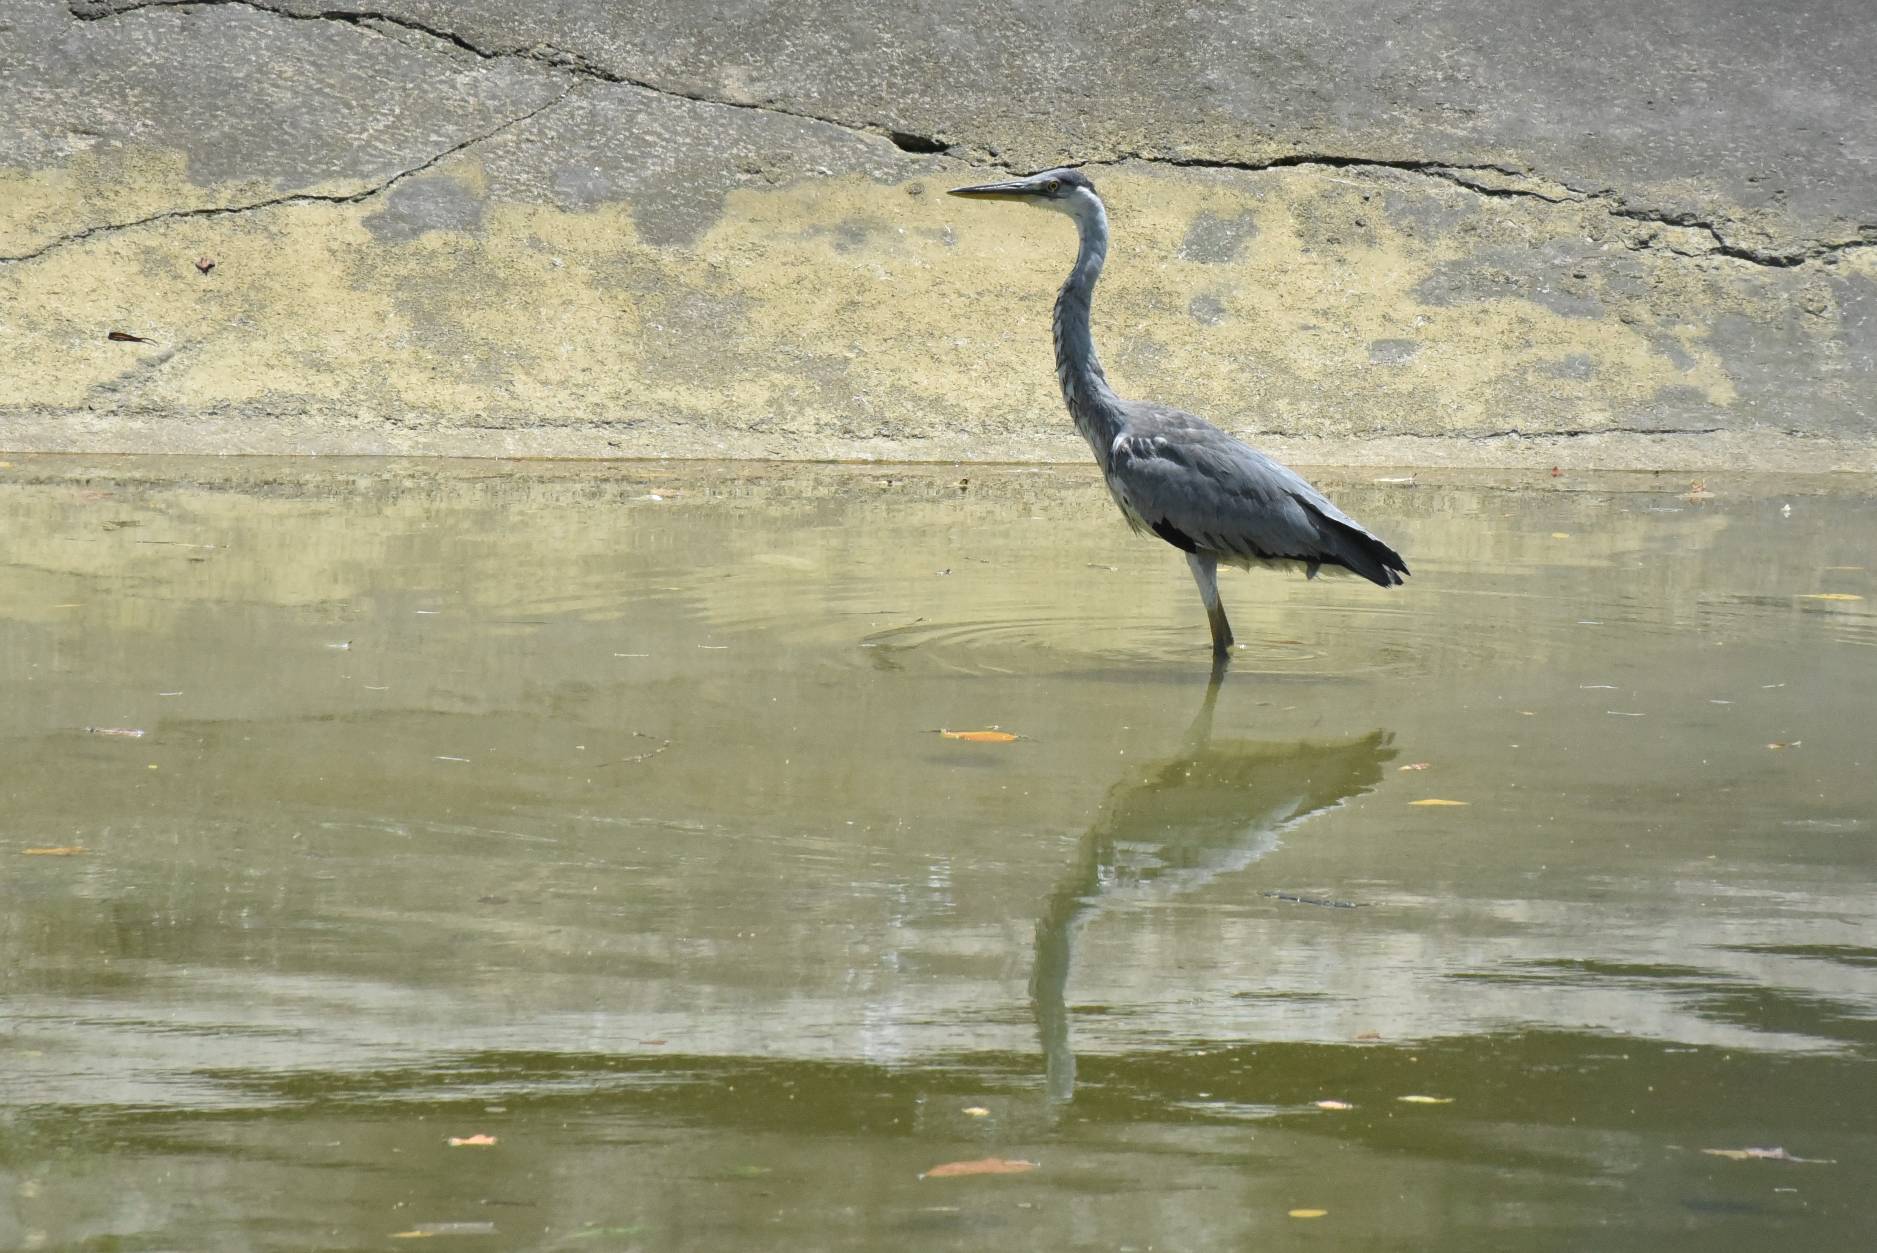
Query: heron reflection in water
column 1176, row 825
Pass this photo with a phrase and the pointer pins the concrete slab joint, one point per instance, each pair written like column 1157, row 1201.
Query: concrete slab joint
column 481, row 227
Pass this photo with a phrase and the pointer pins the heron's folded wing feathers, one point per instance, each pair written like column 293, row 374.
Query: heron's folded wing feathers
column 1201, row 490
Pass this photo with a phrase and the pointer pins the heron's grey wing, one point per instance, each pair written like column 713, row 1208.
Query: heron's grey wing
column 1203, row 491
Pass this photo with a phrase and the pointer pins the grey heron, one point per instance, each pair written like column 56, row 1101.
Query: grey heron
column 1174, row 474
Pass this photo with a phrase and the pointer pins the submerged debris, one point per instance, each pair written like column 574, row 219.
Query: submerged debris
column 1767, row 1155
column 647, row 755
column 1324, row 901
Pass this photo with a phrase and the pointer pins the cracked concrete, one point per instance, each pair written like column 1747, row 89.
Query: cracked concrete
column 1453, row 231
column 299, row 197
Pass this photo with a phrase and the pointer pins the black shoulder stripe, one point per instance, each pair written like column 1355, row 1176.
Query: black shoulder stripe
column 1174, row 536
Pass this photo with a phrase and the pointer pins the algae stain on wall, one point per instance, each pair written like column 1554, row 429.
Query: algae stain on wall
column 850, row 307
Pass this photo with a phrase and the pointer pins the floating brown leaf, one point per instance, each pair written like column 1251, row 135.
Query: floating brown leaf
column 125, row 337
column 477, row 1141
column 980, row 737
column 63, row 850
column 980, row 1166
column 205, row 264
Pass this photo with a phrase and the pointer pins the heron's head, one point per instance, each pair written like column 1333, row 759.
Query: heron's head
column 1064, row 190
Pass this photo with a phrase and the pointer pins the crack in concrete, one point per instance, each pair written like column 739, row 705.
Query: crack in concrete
column 300, row 197
column 1467, row 176
column 1457, row 174
column 1814, row 250
column 1447, row 171
column 101, row 10
column 562, row 59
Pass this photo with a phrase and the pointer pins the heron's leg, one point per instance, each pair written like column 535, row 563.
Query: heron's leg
column 1206, row 574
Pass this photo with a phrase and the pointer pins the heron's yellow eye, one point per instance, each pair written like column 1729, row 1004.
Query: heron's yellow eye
column 1053, row 185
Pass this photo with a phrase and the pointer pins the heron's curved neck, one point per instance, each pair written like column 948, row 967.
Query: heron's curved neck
column 1092, row 403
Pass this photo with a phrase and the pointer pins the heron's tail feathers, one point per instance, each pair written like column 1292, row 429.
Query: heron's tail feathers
column 1343, row 543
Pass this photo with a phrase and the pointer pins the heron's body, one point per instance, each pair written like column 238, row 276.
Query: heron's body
column 1176, row 475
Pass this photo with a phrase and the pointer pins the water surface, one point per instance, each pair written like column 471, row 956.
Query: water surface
column 605, row 811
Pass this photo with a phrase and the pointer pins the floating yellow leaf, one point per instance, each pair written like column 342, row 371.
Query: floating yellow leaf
column 1435, row 800
column 1308, row 1213
column 1418, row 1099
column 980, row 1166
column 976, row 1111
column 63, row 850
column 1334, row 1105
column 1560, row 535
column 1830, row 596
column 980, row 737
column 477, row 1141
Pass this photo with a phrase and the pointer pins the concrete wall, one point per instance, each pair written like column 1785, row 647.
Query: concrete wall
column 1459, row 230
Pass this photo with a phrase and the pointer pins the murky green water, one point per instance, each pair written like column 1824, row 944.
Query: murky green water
column 602, row 811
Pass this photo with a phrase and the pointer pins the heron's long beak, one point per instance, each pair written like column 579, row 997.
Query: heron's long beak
column 1022, row 189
